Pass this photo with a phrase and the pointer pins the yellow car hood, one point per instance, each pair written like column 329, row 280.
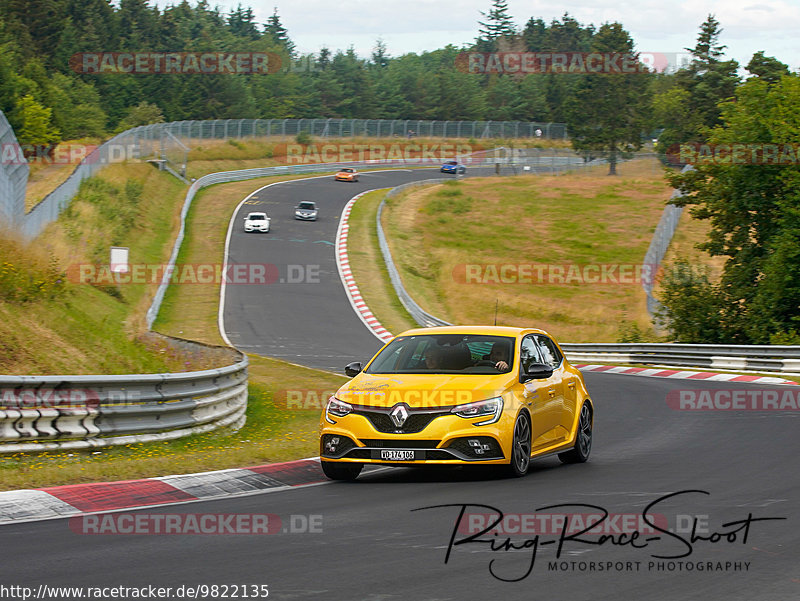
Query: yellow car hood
column 423, row 390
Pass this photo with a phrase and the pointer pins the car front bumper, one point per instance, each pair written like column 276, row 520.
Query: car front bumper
column 446, row 440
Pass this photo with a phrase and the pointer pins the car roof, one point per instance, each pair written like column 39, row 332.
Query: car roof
column 474, row 329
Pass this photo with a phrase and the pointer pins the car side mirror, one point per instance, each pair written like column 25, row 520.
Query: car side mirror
column 538, row 371
column 353, row 369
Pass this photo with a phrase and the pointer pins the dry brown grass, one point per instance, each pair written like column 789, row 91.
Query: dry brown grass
column 584, row 218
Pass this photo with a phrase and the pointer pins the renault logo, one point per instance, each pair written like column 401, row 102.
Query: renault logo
column 399, row 415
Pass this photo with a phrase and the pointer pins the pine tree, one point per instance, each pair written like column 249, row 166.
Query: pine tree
column 498, row 24
column 241, row 22
column 380, row 57
column 278, row 34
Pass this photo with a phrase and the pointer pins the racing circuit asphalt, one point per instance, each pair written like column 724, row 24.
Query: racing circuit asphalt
column 304, row 316
column 374, row 546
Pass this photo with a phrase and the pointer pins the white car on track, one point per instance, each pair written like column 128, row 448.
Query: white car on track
column 256, row 222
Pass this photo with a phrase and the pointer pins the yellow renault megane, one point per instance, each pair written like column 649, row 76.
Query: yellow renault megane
column 458, row 395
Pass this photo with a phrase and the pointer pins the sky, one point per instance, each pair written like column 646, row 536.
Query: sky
column 656, row 26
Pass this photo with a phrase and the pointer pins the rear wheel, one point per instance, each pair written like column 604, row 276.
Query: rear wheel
column 341, row 471
column 583, row 440
column 520, row 447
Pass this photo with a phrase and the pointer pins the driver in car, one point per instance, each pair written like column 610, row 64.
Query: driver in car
column 499, row 356
column 433, row 358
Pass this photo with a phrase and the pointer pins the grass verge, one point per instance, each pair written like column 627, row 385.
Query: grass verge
column 576, row 220
column 284, row 400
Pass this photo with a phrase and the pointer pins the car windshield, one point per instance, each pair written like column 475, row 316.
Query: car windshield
column 444, row 354
column 451, row 163
column 257, row 217
column 306, row 205
column 347, row 170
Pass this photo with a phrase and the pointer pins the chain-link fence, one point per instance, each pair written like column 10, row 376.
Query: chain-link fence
column 13, row 177
column 371, row 128
column 662, row 236
column 169, row 144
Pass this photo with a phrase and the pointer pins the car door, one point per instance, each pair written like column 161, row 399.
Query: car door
column 538, row 395
column 561, row 393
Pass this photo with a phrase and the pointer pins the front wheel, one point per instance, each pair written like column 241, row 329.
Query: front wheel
column 341, row 471
column 583, row 440
column 520, row 447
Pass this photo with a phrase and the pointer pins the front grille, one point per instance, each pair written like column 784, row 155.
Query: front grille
column 359, row 454
column 378, row 443
column 432, row 454
column 440, row 455
column 416, row 422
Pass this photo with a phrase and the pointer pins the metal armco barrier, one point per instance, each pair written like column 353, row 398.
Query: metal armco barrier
column 783, row 359
column 426, row 320
column 41, row 413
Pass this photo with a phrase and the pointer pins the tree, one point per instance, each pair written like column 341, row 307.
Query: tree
column 708, row 80
column 241, row 22
column 608, row 111
column 142, row 114
column 753, row 207
column 498, row 24
column 380, row 56
column 534, row 35
column 35, row 127
column 278, row 34
column 766, row 67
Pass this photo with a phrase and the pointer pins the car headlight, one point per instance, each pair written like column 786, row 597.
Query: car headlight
column 336, row 408
column 491, row 408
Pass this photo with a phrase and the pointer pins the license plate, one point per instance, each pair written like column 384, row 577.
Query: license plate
column 388, row 455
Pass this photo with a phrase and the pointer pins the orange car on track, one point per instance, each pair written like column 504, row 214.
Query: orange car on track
column 346, row 174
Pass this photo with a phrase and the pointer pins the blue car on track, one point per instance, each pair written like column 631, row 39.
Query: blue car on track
column 453, row 167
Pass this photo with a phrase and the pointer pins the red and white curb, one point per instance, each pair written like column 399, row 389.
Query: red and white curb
column 76, row 499
column 678, row 374
column 346, row 275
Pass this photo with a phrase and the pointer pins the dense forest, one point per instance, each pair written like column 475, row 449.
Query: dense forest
column 47, row 101
column 753, row 206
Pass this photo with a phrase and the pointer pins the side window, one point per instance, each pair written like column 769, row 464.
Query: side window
column 528, row 353
column 549, row 351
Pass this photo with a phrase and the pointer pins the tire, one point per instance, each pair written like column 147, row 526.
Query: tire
column 341, row 471
column 583, row 439
column 520, row 447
